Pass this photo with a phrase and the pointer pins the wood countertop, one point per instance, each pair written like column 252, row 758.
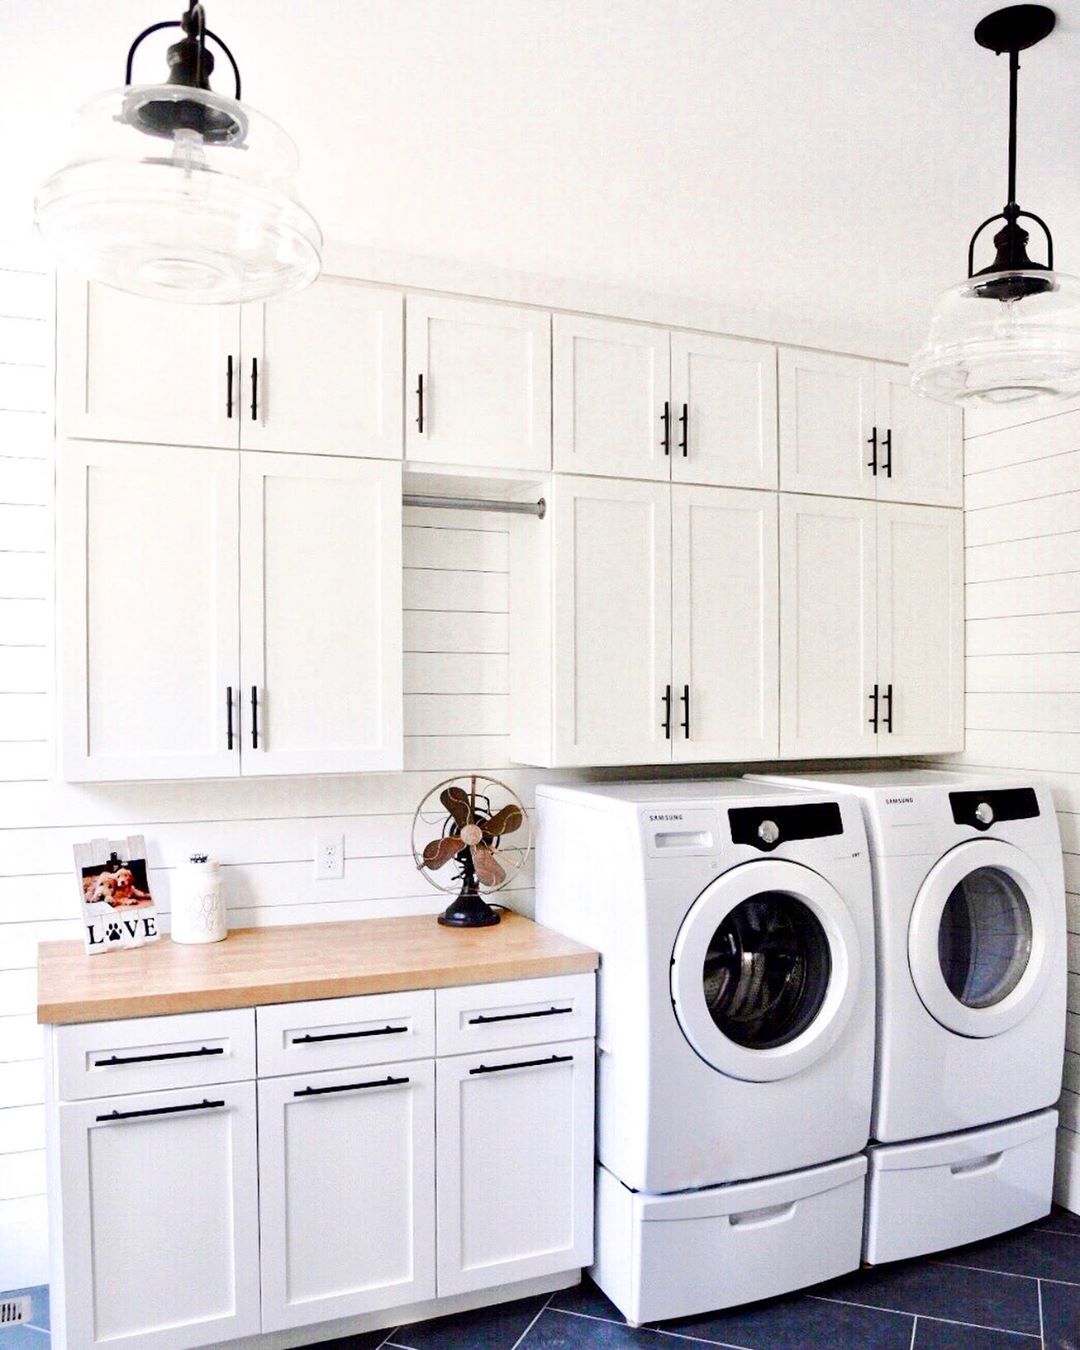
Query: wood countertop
column 297, row 961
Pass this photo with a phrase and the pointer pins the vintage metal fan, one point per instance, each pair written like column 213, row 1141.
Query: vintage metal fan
column 466, row 822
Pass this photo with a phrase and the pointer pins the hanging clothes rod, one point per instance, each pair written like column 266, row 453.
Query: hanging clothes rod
column 537, row 508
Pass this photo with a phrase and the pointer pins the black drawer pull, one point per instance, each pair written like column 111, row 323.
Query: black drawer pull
column 254, row 388
column 228, row 386
column 484, row 1018
column 309, row 1039
column 159, row 1111
column 886, row 468
column 887, row 718
column 875, row 699
column 666, row 422
column 349, row 1087
column 151, row 1059
column 228, row 718
column 522, row 1064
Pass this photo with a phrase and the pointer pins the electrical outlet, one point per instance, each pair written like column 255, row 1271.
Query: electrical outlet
column 329, row 857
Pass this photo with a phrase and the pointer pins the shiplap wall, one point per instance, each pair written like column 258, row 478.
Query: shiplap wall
column 1022, row 504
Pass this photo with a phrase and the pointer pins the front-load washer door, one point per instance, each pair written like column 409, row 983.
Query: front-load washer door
column 980, row 938
column 765, row 970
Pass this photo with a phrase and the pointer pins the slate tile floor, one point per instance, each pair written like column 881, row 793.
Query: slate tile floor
column 1017, row 1292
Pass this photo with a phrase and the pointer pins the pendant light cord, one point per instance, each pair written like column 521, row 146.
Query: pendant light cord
column 1014, row 68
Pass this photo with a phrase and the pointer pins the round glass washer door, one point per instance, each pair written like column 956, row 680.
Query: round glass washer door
column 979, row 936
column 765, row 970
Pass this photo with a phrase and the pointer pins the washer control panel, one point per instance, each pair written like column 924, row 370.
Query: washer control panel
column 767, row 827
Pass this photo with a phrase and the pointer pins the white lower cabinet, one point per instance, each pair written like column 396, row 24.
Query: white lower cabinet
column 515, row 1152
column 350, row 1154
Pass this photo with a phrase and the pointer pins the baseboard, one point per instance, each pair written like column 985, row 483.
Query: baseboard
column 1067, row 1171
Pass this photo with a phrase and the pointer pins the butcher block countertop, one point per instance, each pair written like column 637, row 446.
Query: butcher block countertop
column 299, row 961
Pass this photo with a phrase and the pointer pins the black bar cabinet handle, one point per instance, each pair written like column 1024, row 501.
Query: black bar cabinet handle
column 254, row 717
column 484, row 1019
column 349, row 1087
column 888, row 709
column 871, row 463
column 684, row 422
column 228, row 717
column 228, row 385
column 153, row 1059
column 874, row 700
column 886, row 468
column 522, row 1064
column 160, row 1111
column 254, row 388
column 686, row 710
column 666, row 724
column 666, row 420
column 309, row 1039
column 420, row 403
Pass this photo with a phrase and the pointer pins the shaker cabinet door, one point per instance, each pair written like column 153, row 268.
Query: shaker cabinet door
column 826, row 424
column 921, row 443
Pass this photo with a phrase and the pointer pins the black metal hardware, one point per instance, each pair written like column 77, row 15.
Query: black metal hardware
column 666, row 724
column 254, row 388
column 871, row 463
column 349, row 1087
column 886, row 445
column 254, row 717
column 150, row 1059
column 522, row 1064
column 160, row 1111
column 484, row 1019
column 686, row 710
column 887, row 716
column 420, row 403
column 666, row 420
column 874, row 699
column 347, row 1035
column 684, row 422
column 228, row 718
column 228, row 385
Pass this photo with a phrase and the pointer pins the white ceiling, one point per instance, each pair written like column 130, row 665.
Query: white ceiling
column 820, row 165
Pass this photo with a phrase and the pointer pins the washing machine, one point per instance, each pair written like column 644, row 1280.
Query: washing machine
column 971, row 965
column 735, row 1031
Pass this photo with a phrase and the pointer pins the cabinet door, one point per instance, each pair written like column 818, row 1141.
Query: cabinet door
column 320, row 618
column 131, row 369
column 611, row 398
column 724, row 624
column 148, row 578
column 515, row 1164
column 346, row 1192
column 828, row 627
column 826, row 422
column 920, row 443
column 921, row 629
column 723, row 403
column 160, row 1219
column 612, row 644
column 477, row 384
column 322, row 372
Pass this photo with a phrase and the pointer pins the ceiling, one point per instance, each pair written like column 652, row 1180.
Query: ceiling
column 817, row 165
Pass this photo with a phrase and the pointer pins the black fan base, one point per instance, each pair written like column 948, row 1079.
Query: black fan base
column 469, row 911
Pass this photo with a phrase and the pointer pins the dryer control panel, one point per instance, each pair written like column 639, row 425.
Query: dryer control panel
column 983, row 809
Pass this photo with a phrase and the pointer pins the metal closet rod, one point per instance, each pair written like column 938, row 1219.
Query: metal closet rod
column 537, row 508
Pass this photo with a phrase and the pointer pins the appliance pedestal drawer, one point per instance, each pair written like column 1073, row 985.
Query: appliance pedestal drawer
column 944, row 1192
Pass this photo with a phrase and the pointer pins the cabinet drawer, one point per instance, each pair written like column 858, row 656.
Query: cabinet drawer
column 338, row 1033
column 144, row 1054
column 517, row 1012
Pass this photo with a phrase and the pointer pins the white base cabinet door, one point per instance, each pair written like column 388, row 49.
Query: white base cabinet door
column 347, row 1192
column 515, row 1164
column 160, row 1219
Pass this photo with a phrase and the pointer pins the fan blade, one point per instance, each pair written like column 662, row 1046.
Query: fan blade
column 457, row 804
column 440, row 851
column 489, row 871
column 506, row 821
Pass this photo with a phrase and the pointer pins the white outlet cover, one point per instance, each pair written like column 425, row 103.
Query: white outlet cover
column 329, row 856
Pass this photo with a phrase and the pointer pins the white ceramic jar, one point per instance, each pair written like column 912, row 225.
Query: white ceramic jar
column 198, row 902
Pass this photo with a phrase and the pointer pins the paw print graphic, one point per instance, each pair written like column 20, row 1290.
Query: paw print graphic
column 113, row 932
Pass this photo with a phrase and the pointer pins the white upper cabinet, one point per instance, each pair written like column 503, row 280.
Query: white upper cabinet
column 725, row 599
column 477, row 384
column 148, row 581
column 131, row 369
column 612, row 411
column 826, row 423
column 920, row 443
column 920, row 629
column 321, row 371
column 828, row 627
column 723, row 406
column 320, row 614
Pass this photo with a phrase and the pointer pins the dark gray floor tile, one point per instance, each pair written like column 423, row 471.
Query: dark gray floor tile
column 586, row 1298
column 797, row 1323
column 1061, row 1316
column 950, row 1336
column 364, row 1340
column 980, row 1298
column 554, row 1330
column 1064, row 1220
column 496, row 1328
column 1039, row 1252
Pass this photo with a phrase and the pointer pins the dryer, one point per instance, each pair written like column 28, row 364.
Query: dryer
column 735, row 1031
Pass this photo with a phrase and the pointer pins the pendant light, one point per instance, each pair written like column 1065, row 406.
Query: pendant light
column 1011, row 331
column 178, row 193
